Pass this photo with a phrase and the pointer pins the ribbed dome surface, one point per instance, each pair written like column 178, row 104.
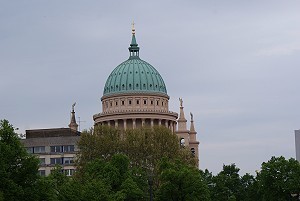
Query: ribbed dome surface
column 134, row 76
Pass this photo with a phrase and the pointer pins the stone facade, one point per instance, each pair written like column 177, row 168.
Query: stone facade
column 56, row 146
column 297, row 143
column 136, row 110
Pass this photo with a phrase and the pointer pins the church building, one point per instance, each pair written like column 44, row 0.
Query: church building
column 135, row 95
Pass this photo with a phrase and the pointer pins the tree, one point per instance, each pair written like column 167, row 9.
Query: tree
column 115, row 180
column 181, row 182
column 227, row 184
column 144, row 147
column 18, row 169
column 100, row 142
column 249, row 188
column 208, row 179
column 279, row 179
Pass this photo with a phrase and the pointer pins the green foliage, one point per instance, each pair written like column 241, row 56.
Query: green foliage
column 227, row 184
column 279, row 178
column 18, row 169
column 249, row 189
column 57, row 177
column 208, row 178
column 131, row 189
column 101, row 142
column 95, row 190
column 181, row 182
column 44, row 190
column 145, row 147
column 112, row 180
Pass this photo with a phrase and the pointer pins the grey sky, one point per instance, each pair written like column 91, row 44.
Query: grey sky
column 238, row 62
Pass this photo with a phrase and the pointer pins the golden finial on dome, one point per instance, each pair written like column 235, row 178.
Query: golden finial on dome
column 133, row 29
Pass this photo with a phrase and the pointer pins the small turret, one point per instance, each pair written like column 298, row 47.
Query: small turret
column 192, row 129
column 73, row 125
column 182, row 132
column 181, row 120
column 193, row 143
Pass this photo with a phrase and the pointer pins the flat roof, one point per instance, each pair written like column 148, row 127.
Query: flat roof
column 51, row 132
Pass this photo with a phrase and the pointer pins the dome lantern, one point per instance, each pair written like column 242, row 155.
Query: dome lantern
column 133, row 49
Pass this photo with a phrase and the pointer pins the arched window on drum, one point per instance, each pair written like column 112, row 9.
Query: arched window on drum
column 193, row 151
column 182, row 142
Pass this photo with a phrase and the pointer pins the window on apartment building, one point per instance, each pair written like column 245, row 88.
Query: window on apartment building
column 68, row 148
column 65, row 148
column 123, row 102
column 55, row 149
column 145, row 102
column 68, row 160
column 137, row 102
column 39, row 149
column 69, row 172
column 55, row 161
column 42, row 173
column 61, row 161
column 42, row 161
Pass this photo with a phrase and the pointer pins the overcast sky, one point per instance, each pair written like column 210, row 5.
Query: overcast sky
column 236, row 64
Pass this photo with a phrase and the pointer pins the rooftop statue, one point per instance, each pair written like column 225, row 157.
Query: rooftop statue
column 73, row 106
column 181, row 102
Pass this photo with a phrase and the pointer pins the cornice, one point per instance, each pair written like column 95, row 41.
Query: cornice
column 135, row 111
column 134, row 93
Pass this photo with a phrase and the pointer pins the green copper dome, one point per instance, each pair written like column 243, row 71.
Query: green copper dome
column 134, row 76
